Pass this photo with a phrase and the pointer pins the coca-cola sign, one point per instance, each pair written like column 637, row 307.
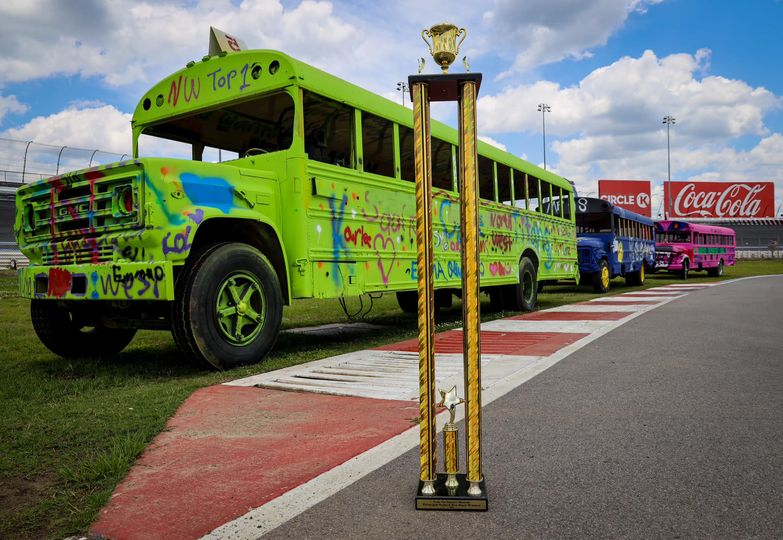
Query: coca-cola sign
column 720, row 199
column 633, row 195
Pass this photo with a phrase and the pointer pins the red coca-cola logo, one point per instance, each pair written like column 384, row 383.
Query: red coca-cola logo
column 721, row 199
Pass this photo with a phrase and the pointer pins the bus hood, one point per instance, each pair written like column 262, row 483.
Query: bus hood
column 669, row 249
column 590, row 242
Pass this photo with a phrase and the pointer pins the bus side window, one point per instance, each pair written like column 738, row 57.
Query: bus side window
column 566, row 202
column 486, row 178
column 504, row 185
column 407, row 159
column 519, row 189
column 558, row 201
column 329, row 134
column 378, row 144
column 533, row 195
column 441, row 164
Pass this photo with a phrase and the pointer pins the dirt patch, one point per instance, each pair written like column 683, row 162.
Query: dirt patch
column 20, row 493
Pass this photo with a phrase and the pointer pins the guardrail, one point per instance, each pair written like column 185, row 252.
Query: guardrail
column 11, row 257
column 759, row 253
column 22, row 162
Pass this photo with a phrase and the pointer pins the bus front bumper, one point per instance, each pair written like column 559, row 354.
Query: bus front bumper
column 111, row 281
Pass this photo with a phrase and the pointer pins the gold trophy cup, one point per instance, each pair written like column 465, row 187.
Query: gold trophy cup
column 444, row 47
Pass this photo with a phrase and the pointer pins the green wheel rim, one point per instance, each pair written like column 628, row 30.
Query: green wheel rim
column 605, row 277
column 240, row 308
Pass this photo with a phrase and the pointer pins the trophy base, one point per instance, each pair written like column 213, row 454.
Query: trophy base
column 454, row 498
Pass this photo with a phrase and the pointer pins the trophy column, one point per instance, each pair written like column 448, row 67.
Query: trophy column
column 470, row 282
column 426, row 287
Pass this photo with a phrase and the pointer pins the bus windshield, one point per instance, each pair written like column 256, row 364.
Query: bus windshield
column 673, row 237
column 600, row 222
column 257, row 126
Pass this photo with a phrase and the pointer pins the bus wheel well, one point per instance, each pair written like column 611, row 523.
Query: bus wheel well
column 530, row 254
column 259, row 235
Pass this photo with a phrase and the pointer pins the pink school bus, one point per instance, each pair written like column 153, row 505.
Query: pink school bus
column 681, row 247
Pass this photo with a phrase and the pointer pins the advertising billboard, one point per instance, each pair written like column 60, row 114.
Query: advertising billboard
column 633, row 195
column 720, row 199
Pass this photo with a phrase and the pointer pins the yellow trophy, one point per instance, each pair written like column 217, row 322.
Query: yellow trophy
column 444, row 47
column 450, row 490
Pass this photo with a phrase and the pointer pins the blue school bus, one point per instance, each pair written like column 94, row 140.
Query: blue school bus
column 611, row 242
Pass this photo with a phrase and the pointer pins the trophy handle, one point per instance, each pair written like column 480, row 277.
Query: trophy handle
column 427, row 33
column 464, row 33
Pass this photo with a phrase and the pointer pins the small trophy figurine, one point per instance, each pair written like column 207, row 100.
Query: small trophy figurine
column 444, row 46
column 450, row 434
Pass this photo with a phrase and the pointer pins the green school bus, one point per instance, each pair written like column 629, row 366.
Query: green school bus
column 316, row 201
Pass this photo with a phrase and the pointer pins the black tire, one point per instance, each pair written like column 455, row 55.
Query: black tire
column 686, row 267
column 716, row 272
column 408, row 301
column 497, row 300
column 602, row 277
column 524, row 295
column 636, row 279
column 237, row 277
column 443, row 299
column 65, row 336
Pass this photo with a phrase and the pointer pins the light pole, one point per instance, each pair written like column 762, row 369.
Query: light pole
column 669, row 120
column 402, row 87
column 543, row 108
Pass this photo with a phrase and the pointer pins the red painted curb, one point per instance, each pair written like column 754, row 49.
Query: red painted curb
column 229, row 449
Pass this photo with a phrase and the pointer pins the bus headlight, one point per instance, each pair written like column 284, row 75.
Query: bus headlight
column 28, row 217
column 122, row 201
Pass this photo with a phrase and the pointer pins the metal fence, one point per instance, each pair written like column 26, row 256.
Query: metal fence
column 22, row 162
column 759, row 253
column 10, row 256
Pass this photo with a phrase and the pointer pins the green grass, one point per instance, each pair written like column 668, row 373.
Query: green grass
column 72, row 429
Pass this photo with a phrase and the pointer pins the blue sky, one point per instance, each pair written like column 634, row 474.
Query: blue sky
column 72, row 72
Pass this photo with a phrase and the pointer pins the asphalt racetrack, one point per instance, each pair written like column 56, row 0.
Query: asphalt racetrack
column 669, row 426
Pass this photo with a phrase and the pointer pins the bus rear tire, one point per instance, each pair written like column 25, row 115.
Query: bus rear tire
column 229, row 308
column 523, row 295
column 602, row 277
column 443, row 299
column 636, row 279
column 716, row 272
column 64, row 335
column 497, row 298
column 408, row 301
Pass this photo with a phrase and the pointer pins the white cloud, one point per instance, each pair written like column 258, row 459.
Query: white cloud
column 493, row 142
column 629, row 98
column 124, row 41
column 104, row 128
column 609, row 125
column 545, row 31
column 11, row 105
